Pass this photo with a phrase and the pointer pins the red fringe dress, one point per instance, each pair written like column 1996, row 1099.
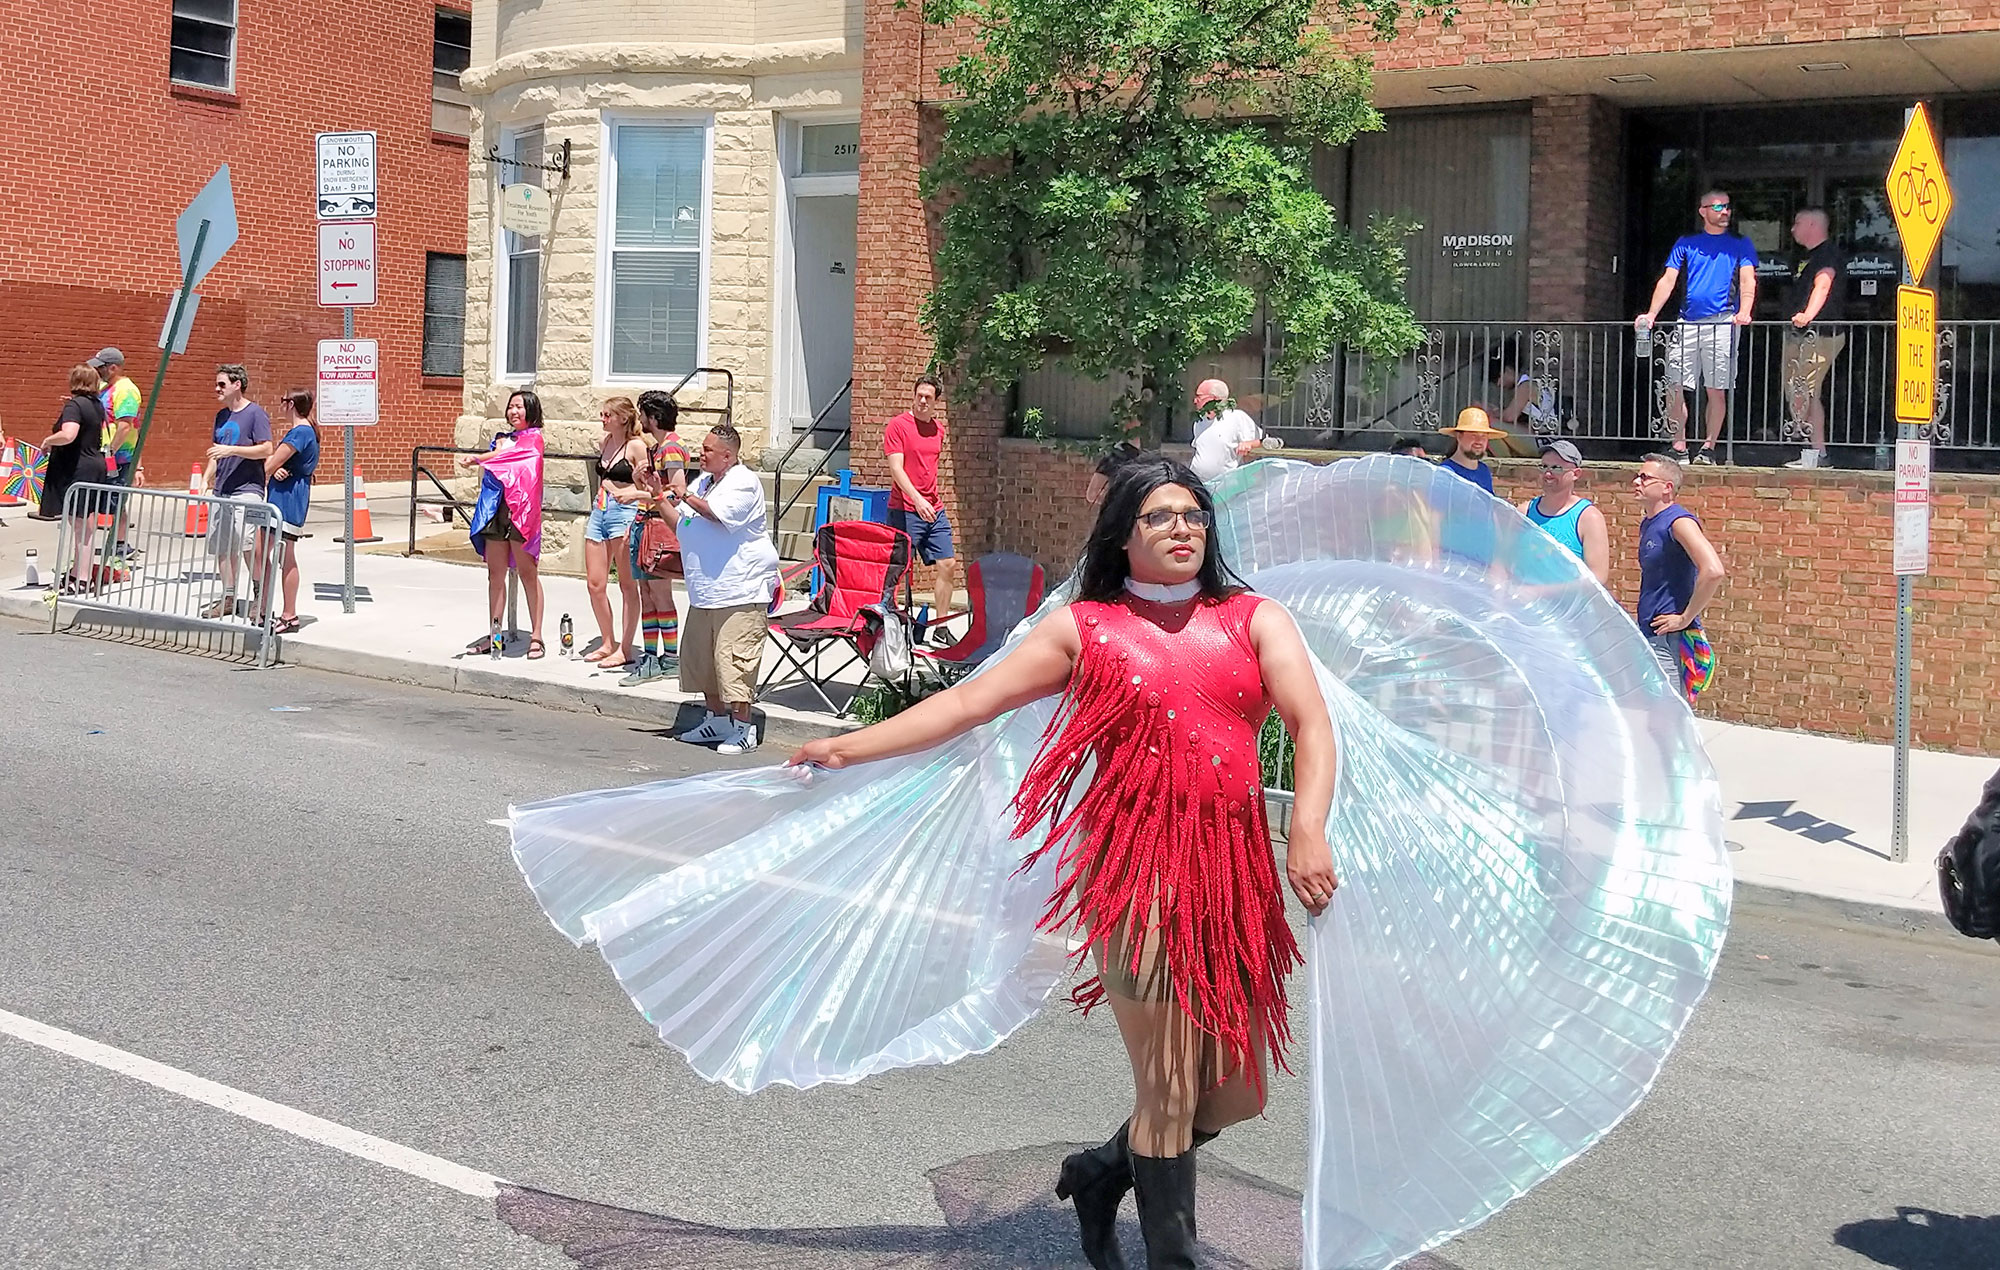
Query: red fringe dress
column 1166, row 850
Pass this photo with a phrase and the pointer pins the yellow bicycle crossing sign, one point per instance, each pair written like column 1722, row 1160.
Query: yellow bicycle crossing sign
column 1919, row 192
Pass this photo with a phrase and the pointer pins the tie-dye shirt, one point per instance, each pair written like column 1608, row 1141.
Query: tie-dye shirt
column 121, row 403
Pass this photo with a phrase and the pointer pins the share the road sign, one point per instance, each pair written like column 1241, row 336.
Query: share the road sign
column 347, row 264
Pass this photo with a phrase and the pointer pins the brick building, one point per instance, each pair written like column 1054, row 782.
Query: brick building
column 1551, row 153
column 119, row 120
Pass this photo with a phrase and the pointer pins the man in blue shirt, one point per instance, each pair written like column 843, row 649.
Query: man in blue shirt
column 1721, row 286
column 1470, row 436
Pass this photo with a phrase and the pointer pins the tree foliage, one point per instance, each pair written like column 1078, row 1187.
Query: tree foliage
column 1128, row 181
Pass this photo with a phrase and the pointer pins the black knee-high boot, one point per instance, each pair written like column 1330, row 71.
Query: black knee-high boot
column 1166, row 1209
column 1096, row 1181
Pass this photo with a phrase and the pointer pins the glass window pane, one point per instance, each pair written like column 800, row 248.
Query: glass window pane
column 826, row 148
column 201, row 37
column 659, row 199
column 451, row 44
column 655, row 305
column 218, row 11
column 528, row 147
column 444, row 314
column 524, row 294
column 198, row 68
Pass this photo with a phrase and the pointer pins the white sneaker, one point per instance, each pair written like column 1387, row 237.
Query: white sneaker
column 716, row 727
column 743, row 741
column 1808, row 459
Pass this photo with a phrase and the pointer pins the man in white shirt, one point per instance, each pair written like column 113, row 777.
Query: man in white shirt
column 1223, row 435
column 732, row 571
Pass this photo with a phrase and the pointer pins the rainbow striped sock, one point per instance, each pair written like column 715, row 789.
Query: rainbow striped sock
column 670, row 634
column 649, row 624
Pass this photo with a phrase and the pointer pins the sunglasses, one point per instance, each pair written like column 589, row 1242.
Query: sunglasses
column 1718, row 207
column 1551, row 468
column 1193, row 518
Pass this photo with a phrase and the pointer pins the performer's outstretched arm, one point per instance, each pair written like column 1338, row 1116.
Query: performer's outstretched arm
column 1040, row 667
column 1288, row 678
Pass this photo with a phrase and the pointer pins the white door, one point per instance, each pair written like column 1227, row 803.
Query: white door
column 823, row 288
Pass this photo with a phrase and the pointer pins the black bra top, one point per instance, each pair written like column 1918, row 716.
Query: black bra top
column 621, row 471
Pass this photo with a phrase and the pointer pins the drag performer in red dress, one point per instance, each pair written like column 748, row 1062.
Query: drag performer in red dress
column 1149, row 784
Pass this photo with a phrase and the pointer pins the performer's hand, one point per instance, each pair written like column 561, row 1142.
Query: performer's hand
column 1309, row 866
column 1669, row 623
column 820, row 753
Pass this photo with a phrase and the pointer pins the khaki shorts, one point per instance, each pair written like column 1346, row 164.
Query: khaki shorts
column 1808, row 358
column 721, row 650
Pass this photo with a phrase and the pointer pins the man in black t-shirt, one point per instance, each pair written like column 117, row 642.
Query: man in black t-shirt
column 1817, row 293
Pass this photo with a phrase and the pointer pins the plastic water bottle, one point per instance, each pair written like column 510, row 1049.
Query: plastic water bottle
column 1644, row 344
column 499, row 643
column 31, row 568
column 567, row 630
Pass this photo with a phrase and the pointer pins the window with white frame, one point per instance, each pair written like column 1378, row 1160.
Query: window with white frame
column 659, row 212
column 201, row 46
column 521, row 265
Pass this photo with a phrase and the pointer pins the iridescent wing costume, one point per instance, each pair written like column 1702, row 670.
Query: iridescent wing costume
column 1534, row 888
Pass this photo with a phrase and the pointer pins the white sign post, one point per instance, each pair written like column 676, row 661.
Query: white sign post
column 345, row 177
column 349, row 382
column 346, row 162
column 347, row 264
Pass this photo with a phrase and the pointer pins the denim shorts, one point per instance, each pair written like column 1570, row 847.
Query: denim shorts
column 612, row 520
column 931, row 538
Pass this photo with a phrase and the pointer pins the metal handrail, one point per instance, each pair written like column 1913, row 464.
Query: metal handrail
column 728, row 407
column 445, row 498
column 778, row 499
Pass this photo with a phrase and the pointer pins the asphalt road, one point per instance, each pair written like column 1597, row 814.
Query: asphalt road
column 309, row 905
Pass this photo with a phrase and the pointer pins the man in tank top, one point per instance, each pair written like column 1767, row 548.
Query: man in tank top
column 1568, row 517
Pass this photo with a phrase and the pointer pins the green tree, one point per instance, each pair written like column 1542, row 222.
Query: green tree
column 1127, row 181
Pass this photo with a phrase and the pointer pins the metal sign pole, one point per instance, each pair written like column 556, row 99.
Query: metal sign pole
column 347, row 436
column 173, row 338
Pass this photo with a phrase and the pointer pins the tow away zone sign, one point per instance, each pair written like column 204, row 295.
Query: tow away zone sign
column 349, row 372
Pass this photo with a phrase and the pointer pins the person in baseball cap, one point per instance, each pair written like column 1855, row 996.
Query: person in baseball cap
column 121, row 402
column 1572, row 520
column 1471, row 434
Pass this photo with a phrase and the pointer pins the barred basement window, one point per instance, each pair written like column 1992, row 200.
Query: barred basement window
column 202, row 45
column 444, row 314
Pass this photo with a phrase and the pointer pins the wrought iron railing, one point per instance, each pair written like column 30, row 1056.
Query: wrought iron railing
column 1590, row 382
column 835, row 440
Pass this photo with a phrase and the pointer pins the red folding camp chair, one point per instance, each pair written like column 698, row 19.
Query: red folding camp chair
column 1002, row 588
column 858, row 563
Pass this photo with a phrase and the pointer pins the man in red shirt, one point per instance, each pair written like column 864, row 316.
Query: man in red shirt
column 913, row 441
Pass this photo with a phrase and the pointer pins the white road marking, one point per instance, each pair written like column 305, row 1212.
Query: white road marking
column 290, row 1120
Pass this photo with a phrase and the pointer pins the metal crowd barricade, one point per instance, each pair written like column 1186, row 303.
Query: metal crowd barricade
column 164, row 558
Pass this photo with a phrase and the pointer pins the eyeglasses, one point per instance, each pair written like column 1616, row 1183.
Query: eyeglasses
column 1192, row 517
column 1718, row 207
column 1553, row 468
column 1643, row 477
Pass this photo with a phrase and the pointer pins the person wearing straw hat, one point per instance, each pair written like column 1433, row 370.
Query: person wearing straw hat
column 1470, row 435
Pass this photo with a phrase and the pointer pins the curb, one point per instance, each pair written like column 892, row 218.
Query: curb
column 1827, row 908
column 605, row 702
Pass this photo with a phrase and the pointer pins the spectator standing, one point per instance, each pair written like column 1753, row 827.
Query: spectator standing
column 914, row 444
column 1818, row 293
column 1568, row 517
column 121, row 400
column 506, row 523
column 621, row 456
column 76, row 457
column 1470, row 436
column 235, row 472
column 288, row 475
column 1127, row 449
column 666, row 468
column 732, row 576
column 1223, row 435
column 1679, row 573
column 1720, row 288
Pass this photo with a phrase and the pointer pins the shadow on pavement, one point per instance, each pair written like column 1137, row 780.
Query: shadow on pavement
column 999, row 1211
column 1920, row 1239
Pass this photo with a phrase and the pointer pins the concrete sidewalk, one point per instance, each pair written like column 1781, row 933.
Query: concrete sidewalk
column 1805, row 814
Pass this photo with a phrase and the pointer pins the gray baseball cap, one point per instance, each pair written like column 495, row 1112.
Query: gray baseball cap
column 1566, row 451
column 108, row 357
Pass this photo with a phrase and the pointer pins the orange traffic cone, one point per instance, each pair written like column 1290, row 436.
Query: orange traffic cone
column 197, row 513
column 10, row 463
column 364, row 528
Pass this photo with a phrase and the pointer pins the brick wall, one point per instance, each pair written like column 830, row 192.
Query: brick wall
column 1805, row 627
column 91, row 259
column 1576, row 212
